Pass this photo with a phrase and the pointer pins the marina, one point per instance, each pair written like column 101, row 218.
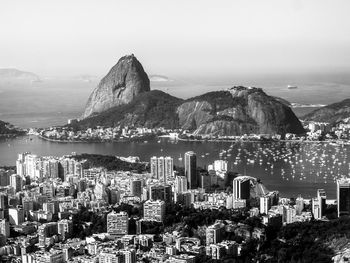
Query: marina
column 291, row 167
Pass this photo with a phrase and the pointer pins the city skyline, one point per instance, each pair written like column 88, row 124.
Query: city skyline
column 61, row 192
column 171, row 131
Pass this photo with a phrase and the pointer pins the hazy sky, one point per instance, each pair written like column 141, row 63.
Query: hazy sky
column 57, row 37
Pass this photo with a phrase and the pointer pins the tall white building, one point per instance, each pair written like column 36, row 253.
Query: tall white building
column 30, row 164
column 265, row 204
column 20, row 168
column 111, row 257
column 162, row 168
column 299, row 205
column 220, row 165
column 65, row 228
column 100, row 192
column 37, row 167
column 16, row 216
column 290, row 215
column 117, row 223
column 49, row 168
column 154, row 210
column 180, row 184
column 4, row 228
column 316, row 210
column 20, row 164
column 154, row 166
column 130, row 255
column 169, row 167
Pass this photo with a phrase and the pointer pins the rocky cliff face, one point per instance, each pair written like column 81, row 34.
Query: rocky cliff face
column 237, row 111
column 123, row 98
column 148, row 109
column 123, row 82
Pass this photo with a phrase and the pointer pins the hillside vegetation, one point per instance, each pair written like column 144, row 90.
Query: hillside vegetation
column 331, row 113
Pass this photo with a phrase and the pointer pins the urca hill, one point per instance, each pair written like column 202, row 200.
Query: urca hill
column 332, row 113
column 123, row 97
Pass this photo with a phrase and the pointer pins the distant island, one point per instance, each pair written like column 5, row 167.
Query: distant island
column 158, row 78
column 86, row 78
column 11, row 74
column 300, row 105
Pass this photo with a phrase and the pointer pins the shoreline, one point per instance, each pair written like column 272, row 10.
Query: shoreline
column 188, row 140
column 61, row 141
column 143, row 149
column 11, row 135
column 233, row 140
column 97, row 141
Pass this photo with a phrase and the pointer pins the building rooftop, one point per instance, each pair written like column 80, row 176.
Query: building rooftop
column 343, row 181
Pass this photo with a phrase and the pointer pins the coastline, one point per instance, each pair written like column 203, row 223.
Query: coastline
column 44, row 147
column 62, row 141
column 184, row 140
column 11, row 135
column 233, row 140
column 91, row 141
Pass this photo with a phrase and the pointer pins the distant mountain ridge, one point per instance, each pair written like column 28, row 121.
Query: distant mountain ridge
column 331, row 113
column 235, row 111
column 15, row 74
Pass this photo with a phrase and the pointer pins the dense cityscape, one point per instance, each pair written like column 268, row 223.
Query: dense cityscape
column 174, row 131
column 62, row 209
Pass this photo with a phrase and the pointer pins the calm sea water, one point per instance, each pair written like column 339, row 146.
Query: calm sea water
column 291, row 168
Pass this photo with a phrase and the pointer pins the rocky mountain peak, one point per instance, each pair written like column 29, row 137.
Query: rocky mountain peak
column 123, row 82
column 240, row 91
